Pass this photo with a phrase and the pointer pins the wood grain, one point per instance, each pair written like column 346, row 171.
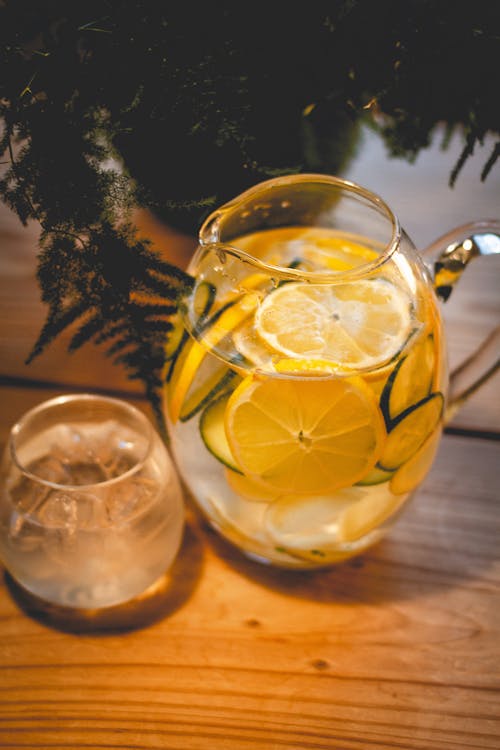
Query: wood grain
column 398, row 648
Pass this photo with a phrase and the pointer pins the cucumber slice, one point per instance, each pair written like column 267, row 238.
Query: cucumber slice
column 174, row 338
column 410, row 381
column 172, row 361
column 203, row 300
column 204, row 297
column 410, row 431
column 191, row 357
column 214, row 385
column 214, row 435
column 375, row 476
column 237, row 298
column 204, row 324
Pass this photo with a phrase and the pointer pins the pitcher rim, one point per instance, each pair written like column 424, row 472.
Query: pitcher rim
column 295, row 273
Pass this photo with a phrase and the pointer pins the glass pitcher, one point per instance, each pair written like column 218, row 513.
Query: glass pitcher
column 306, row 386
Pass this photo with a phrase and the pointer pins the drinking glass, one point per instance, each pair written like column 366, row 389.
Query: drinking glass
column 91, row 511
column 306, row 385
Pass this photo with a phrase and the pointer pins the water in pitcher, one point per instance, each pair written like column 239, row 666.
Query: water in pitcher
column 303, row 413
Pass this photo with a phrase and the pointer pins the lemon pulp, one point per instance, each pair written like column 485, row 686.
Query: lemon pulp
column 304, row 435
column 359, row 324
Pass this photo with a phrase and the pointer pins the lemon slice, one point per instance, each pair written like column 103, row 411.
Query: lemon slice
column 194, row 353
column 356, row 325
column 248, row 488
column 239, row 522
column 252, row 347
column 415, row 469
column 332, row 527
column 335, row 253
column 309, row 367
column 308, row 524
column 304, row 434
column 319, row 248
column 363, row 517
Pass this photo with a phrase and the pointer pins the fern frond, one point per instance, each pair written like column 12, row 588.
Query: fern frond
column 112, row 285
column 57, row 321
column 87, row 332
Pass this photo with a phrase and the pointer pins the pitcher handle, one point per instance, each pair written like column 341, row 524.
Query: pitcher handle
column 448, row 257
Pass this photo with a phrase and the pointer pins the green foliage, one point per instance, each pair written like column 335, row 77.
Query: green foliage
column 117, row 291
column 109, row 105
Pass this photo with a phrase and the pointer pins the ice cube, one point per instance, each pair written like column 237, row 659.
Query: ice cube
column 85, row 472
column 119, row 454
column 26, row 495
column 59, row 510
column 50, row 468
column 128, row 498
column 23, row 534
column 90, row 511
column 74, row 445
column 107, row 446
column 118, row 464
column 67, row 442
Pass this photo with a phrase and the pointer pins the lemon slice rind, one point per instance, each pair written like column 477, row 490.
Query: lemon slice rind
column 357, row 325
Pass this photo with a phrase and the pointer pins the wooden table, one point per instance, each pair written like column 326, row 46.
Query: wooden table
column 399, row 648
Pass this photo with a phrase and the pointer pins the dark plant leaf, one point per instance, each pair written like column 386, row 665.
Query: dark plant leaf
column 105, row 108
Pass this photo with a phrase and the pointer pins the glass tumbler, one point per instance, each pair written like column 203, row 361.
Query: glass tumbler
column 91, row 510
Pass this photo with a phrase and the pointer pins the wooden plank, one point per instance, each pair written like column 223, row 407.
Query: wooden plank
column 397, row 648
column 16, row 401
column 22, row 313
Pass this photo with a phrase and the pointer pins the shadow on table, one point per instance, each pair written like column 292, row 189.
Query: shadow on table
column 392, row 570
column 160, row 600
